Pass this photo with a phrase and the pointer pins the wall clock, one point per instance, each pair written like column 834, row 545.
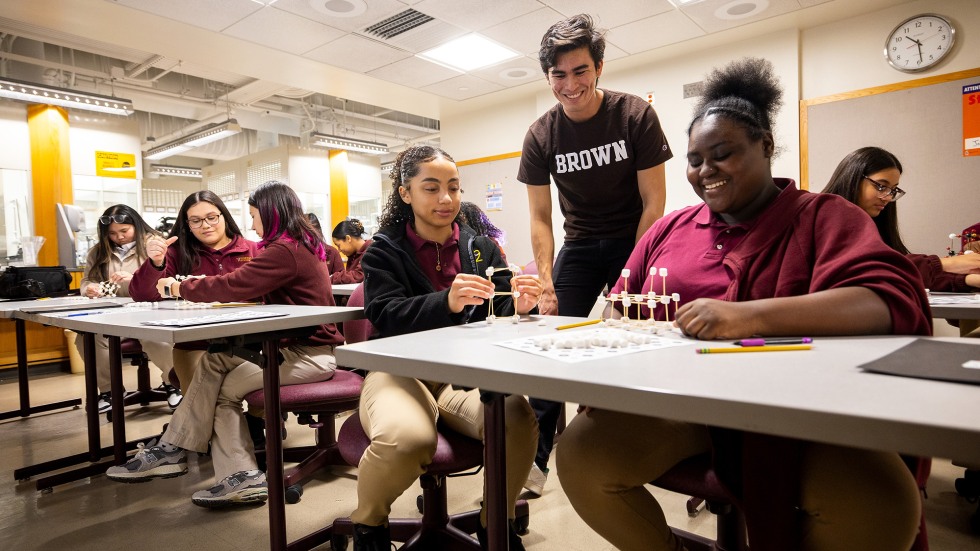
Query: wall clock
column 919, row 42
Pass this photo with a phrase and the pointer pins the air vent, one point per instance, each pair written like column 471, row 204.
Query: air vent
column 693, row 89
column 398, row 24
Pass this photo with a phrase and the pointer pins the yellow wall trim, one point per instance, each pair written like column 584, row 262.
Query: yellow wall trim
column 488, row 159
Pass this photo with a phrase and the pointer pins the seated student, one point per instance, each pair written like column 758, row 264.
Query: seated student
column 348, row 237
column 426, row 270
column 869, row 178
column 120, row 250
column 335, row 263
column 758, row 257
column 289, row 270
column 204, row 240
column 474, row 217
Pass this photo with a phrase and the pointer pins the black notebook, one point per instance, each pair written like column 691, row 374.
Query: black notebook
column 929, row 359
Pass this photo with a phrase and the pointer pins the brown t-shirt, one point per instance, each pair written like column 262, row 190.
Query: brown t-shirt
column 594, row 164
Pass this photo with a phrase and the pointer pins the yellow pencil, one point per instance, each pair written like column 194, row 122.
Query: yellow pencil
column 773, row 348
column 234, row 304
column 579, row 324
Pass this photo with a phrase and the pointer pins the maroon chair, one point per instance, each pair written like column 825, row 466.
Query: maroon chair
column 696, row 477
column 316, row 405
column 455, row 453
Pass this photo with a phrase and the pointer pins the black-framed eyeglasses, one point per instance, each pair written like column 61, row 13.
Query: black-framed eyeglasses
column 894, row 193
column 117, row 218
column 211, row 219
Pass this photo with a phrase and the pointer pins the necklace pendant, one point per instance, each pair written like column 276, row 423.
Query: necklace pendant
column 438, row 268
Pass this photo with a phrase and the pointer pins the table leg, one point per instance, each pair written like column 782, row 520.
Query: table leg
column 118, row 399
column 495, row 454
column 91, row 397
column 273, row 447
column 20, row 336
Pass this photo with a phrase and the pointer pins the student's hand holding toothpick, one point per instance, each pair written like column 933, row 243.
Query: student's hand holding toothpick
column 469, row 290
column 529, row 288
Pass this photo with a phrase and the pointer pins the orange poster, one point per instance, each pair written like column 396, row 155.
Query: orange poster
column 971, row 120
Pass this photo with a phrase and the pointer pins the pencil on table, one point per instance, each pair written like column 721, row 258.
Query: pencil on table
column 578, row 324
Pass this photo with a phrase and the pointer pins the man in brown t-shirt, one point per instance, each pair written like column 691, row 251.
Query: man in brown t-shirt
column 605, row 152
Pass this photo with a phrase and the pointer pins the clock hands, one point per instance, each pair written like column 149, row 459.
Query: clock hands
column 918, row 45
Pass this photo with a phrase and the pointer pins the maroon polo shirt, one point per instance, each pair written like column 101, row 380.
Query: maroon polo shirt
column 439, row 261
column 694, row 265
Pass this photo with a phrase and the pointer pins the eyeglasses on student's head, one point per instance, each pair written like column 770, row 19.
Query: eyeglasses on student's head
column 117, row 218
column 211, row 219
column 886, row 192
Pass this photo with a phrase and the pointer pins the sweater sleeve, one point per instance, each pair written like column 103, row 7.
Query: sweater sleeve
column 143, row 287
column 930, row 267
column 270, row 270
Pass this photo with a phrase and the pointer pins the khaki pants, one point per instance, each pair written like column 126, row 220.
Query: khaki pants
column 160, row 353
column 212, row 405
column 400, row 414
column 851, row 498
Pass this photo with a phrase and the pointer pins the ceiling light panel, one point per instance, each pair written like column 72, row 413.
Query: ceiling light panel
column 349, row 144
column 469, row 52
column 49, row 95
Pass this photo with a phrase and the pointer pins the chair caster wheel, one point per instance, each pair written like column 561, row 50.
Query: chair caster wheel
column 521, row 524
column 418, row 504
column 338, row 543
column 294, row 493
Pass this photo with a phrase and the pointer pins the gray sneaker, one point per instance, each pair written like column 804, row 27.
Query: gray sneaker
column 240, row 488
column 149, row 463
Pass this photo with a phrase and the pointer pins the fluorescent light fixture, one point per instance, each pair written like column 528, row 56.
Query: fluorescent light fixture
column 468, row 52
column 34, row 93
column 350, row 144
column 167, row 170
column 209, row 134
column 386, row 167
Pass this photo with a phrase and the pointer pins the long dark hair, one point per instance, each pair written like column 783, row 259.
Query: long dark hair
column 282, row 217
column 407, row 165
column 103, row 250
column 848, row 178
column 187, row 242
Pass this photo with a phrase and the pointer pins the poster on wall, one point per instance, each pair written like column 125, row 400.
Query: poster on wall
column 115, row 165
column 495, row 196
column 971, row 120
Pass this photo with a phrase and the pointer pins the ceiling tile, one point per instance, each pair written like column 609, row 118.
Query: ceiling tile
column 214, row 15
column 610, row 14
column 524, row 33
column 512, row 73
column 376, row 10
column 462, row 87
column 808, row 3
column 283, row 31
column 474, row 15
column 654, row 32
column 356, row 53
column 720, row 15
column 413, row 72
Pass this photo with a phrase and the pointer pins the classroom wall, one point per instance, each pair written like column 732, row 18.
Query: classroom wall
column 828, row 59
column 15, row 153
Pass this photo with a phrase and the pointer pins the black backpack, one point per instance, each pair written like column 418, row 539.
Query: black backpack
column 34, row 281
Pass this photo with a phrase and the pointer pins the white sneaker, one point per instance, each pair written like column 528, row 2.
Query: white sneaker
column 105, row 402
column 536, row 480
column 174, row 397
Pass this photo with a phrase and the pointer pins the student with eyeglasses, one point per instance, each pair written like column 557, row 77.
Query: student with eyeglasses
column 869, row 178
column 205, row 240
column 290, row 269
column 120, row 250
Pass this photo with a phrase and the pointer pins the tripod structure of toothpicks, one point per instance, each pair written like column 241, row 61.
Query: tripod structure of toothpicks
column 514, row 269
column 108, row 289
column 650, row 299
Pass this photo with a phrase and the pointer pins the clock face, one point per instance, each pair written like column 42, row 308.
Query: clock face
column 919, row 43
